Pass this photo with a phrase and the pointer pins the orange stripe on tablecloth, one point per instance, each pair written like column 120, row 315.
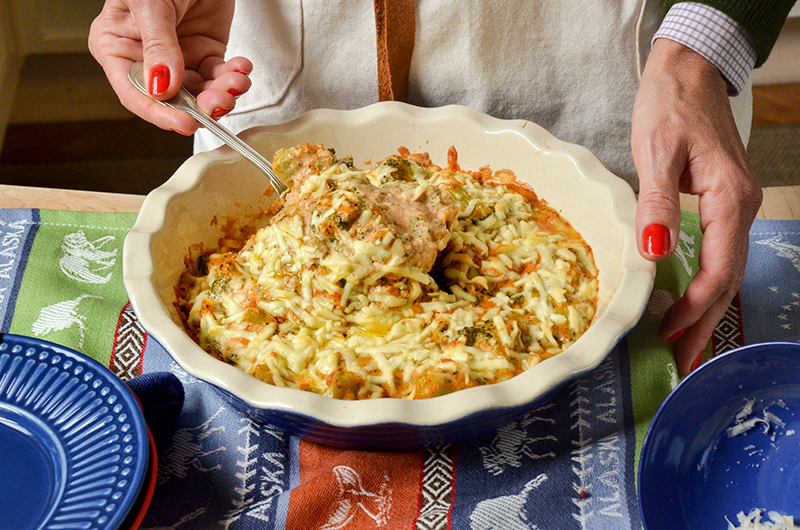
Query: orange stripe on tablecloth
column 356, row 490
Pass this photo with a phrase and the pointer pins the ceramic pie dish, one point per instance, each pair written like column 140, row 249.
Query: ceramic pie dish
column 210, row 188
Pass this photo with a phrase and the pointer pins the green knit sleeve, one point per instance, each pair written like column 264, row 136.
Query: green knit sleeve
column 761, row 19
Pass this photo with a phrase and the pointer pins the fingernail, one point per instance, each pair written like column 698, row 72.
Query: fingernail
column 675, row 336
column 655, row 238
column 159, row 80
column 235, row 93
column 181, row 132
column 243, row 72
column 219, row 112
column 696, row 363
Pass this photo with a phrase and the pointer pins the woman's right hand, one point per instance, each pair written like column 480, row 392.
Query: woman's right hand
column 180, row 42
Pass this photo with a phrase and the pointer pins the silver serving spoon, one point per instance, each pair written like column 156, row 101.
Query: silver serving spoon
column 185, row 101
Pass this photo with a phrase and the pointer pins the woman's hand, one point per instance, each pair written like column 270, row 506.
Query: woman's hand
column 180, row 42
column 684, row 139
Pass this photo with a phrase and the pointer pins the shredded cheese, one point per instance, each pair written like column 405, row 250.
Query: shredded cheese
column 408, row 280
column 752, row 521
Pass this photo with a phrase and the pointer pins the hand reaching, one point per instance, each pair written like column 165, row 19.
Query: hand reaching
column 684, row 139
column 181, row 42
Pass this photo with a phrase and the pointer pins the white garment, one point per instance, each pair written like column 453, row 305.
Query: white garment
column 571, row 66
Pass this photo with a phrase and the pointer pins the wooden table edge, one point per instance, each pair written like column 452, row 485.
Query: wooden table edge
column 779, row 202
column 75, row 200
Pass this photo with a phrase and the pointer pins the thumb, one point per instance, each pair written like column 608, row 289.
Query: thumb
column 163, row 59
column 658, row 213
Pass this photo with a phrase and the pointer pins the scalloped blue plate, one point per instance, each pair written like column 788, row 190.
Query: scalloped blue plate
column 74, row 446
column 725, row 441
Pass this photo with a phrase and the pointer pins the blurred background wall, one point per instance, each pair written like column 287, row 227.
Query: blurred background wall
column 57, row 109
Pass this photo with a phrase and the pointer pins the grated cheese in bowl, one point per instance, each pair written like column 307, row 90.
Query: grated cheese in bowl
column 752, row 521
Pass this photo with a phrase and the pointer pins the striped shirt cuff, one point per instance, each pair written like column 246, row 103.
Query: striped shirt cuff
column 715, row 36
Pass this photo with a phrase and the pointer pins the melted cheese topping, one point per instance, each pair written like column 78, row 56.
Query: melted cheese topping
column 408, row 280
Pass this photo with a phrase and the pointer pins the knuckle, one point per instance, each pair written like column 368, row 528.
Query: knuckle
column 658, row 202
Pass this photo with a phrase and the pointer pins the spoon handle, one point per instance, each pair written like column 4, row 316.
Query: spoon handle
column 224, row 134
column 185, row 101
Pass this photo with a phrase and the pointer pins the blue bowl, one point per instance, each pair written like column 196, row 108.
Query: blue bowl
column 725, row 441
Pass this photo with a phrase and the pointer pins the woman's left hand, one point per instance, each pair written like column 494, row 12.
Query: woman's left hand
column 684, row 139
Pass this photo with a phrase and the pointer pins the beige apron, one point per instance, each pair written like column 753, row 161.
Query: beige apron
column 572, row 66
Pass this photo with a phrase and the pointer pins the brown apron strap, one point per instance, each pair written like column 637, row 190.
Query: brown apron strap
column 395, row 22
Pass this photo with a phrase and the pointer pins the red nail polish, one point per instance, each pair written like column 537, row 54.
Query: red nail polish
column 159, row 80
column 696, row 363
column 655, row 238
column 675, row 336
column 235, row 93
column 219, row 112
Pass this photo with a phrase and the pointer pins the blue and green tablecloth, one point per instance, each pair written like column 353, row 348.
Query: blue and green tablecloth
column 568, row 464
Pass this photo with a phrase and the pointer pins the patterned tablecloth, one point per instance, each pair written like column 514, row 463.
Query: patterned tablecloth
column 569, row 464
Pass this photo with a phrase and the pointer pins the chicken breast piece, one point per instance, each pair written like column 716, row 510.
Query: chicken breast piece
column 352, row 204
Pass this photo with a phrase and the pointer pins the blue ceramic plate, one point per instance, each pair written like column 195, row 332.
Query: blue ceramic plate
column 74, row 446
column 725, row 441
